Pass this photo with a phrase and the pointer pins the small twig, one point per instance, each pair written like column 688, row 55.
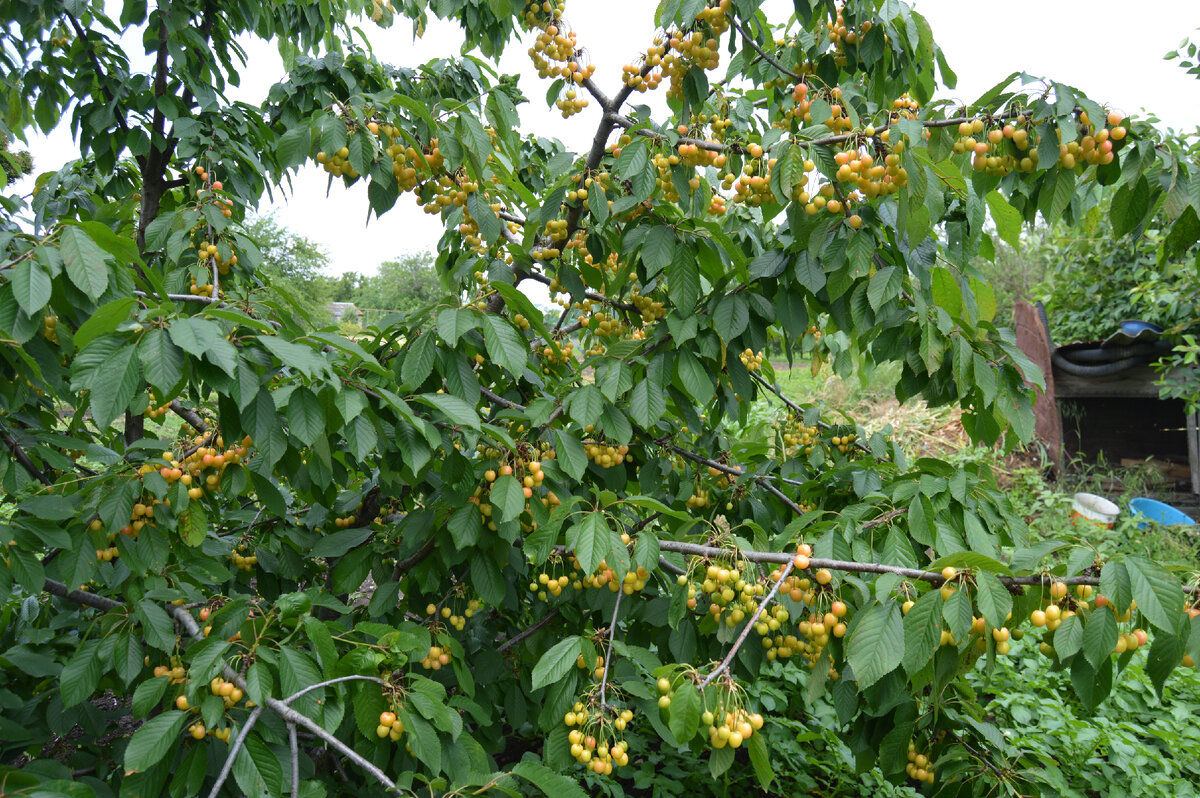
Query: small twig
column 724, row 666
column 496, row 399
column 754, row 46
column 234, row 749
column 519, row 636
column 612, row 631
column 23, row 458
column 205, row 300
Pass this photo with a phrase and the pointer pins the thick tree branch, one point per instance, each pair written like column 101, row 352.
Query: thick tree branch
column 190, row 416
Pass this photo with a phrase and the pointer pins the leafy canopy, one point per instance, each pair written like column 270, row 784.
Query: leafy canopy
column 475, row 549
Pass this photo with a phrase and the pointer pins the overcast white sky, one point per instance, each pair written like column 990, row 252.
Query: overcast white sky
column 1104, row 47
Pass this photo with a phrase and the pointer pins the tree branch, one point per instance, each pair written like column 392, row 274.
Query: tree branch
column 295, row 751
column 754, row 46
column 612, row 630
column 23, row 458
column 234, row 750
column 190, row 416
column 519, row 636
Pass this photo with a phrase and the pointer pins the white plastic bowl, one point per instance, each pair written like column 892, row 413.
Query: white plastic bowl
column 1093, row 508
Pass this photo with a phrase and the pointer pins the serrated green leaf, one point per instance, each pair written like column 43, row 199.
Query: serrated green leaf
column 875, row 645
column 153, row 739
column 556, row 662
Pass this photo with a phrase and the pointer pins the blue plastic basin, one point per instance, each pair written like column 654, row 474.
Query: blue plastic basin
column 1146, row 510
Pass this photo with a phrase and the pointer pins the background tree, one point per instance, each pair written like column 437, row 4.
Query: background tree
column 469, row 551
column 296, row 265
column 405, row 284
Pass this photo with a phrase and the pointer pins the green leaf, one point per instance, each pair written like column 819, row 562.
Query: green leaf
column 490, row 226
column 153, row 739
column 658, row 248
column 875, row 646
column 769, row 263
column 995, row 602
column 1115, row 585
column 922, row 631
column 585, row 404
column 31, row 285
column 1166, row 652
column 591, row 540
column 693, row 377
column 453, row 323
column 257, row 770
column 646, row 404
column 338, row 543
column 193, row 524
column 203, row 338
column 80, row 676
column 546, row 780
column 157, row 627
column 720, row 761
column 1007, row 219
column 465, row 525
column 507, row 498
column 1100, row 635
column 459, row 412
column 162, row 360
column 419, row 357
column 731, row 317
column 114, row 386
column 87, row 264
column 946, row 293
column 760, row 758
column 685, row 712
column 306, row 418
column 1159, row 595
column 1068, row 637
column 300, row 357
column 572, row 457
column 505, row 345
column 556, row 662
column 104, row 320
column 148, row 695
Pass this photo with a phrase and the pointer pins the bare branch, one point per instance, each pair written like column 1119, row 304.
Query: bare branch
column 295, row 749
column 23, row 458
column 234, row 749
column 519, row 636
column 612, row 630
column 754, row 46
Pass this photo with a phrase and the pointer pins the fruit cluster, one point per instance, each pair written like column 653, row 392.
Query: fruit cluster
column 437, row 657
column 390, row 726
column 241, row 560
column 751, row 360
column 593, row 739
column 920, row 766
column 450, row 614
